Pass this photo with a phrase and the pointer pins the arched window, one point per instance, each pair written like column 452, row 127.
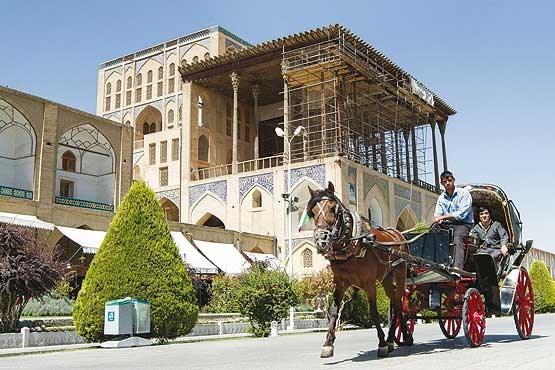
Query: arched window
column 149, row 77
column 195, row 59
column 172, row 69
column 153, row 128
column 146, row 128
column 171, row 116
column 160, row 73
column 201, row 113
column 256, row 199
column 68, row 161
column 206, row 56
column 307, row 258
column 139, row 80
column 129, row 82
column 108, row 88
column 179, row 115
column 127, row 123
column 118, row 85
column 203, row 148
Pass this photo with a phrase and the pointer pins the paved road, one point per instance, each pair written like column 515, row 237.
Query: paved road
column 502, row 349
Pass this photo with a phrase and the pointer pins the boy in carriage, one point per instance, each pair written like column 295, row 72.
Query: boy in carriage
column 493, row 236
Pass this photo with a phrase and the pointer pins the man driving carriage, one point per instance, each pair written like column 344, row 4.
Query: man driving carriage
column 493, row 236
column 454, row 210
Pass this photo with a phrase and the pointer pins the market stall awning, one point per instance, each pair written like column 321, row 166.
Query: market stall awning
column 269, row 259
column 225, row 256
column 90, row 240
column 25, row 220
column 192, row 256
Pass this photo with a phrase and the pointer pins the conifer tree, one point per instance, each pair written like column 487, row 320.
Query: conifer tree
column 138, row 259
column 543, row 286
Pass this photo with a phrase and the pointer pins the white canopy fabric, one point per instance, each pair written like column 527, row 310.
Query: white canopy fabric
column 90, row 240
column 192, row 256
column 270, row 259
column 25, row 220
column 225, row 256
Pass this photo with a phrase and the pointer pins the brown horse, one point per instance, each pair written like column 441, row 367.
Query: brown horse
column 346, row 240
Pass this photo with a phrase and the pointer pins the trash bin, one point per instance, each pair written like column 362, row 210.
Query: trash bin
column 118, row 317
column 141, row 317
column 126, row 317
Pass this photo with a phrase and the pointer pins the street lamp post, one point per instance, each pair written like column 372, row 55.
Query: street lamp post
column 287, row 195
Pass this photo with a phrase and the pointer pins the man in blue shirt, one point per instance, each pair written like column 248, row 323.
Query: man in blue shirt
column 454, row 209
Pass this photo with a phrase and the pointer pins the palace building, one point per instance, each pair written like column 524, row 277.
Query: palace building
column 204, row 109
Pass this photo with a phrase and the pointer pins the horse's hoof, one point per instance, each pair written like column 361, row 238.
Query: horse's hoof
column 382, row 351
column 390, row 347
column 327, row 351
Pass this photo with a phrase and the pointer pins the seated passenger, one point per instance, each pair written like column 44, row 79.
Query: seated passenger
column 493, row 236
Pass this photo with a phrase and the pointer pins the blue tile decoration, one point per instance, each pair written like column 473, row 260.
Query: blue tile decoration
column 417, row 208
column 89, row 204
column 400, row 204
column 431, row 200
column 158, row 104
column 265, row 181
column 128, row 67
column 352, row 172
column 140, row 63
column 16, row 193
column 316, row 173
column 218, row 188
column 368, row 182
column 416, row 196
column 401, row 191
column 172, row 195
column 159, row 58
column 296, row 243
column 108, row 72
column 229, row 43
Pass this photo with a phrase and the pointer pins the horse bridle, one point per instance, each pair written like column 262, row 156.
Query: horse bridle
column 324, row 234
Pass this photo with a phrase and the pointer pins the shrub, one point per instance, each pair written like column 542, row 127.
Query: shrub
column 28, row 269
column 314, row 290
column 138, row 259
column 264, row 296
column 49, row 306
column 224, row 292
column 356, row 309
column 543, row 286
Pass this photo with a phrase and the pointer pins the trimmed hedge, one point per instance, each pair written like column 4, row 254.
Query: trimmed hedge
column 356, row 309
column 223, row 295
column 543, row 286
column 138, row 259
column 49, row 306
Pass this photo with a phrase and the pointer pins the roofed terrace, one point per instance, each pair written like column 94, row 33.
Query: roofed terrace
column 352, row 101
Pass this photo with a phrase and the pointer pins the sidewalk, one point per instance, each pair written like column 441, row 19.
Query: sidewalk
column 186, row 339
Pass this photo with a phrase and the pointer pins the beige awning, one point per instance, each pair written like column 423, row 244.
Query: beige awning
column 90, row 240
column 25, row 220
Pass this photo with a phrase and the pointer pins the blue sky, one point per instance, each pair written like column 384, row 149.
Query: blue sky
column 493, row 61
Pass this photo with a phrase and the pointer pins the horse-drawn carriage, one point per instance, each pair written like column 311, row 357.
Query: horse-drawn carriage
column 416, row 273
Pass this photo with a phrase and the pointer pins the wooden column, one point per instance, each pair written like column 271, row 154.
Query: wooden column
column 414, row 154
column 255, row 94
column 434, row 147
column 235, row 84
column 407, row 155
column 441, row 125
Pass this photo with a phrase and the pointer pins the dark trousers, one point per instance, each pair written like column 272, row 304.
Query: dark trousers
column 460, row 233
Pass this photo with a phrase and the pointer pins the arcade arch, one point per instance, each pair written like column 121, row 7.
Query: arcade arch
column 171, row 211
column 407, row 219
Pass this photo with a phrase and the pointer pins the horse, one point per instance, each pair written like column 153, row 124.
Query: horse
column 345, row 239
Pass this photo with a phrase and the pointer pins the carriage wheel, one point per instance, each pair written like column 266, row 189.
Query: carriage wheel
column 399, row 340
column 450, row 324
column 474, row 317
column 523, row 305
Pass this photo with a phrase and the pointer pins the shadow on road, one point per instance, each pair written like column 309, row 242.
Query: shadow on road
column 439, row 345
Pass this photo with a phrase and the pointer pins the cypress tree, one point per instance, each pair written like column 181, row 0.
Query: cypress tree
column 138, row 259
column 543, row 286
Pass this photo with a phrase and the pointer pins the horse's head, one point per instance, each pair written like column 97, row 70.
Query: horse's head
column 324, row 208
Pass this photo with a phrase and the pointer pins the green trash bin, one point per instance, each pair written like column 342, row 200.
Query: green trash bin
column 126, row 316
column 118, row 317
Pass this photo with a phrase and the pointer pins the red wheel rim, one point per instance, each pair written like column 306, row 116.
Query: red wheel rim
column 451, row 310
column 410, row 322
column 475, row 318
column 524, row 305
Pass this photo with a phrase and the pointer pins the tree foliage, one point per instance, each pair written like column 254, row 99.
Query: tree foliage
column 356, row 309
column 264, row 296
column 28, row 269
column 138, row 259
column 314, row 290
column 543, row 286
column 224, row 291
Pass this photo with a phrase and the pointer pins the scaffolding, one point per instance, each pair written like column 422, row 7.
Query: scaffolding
column 352, row 105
